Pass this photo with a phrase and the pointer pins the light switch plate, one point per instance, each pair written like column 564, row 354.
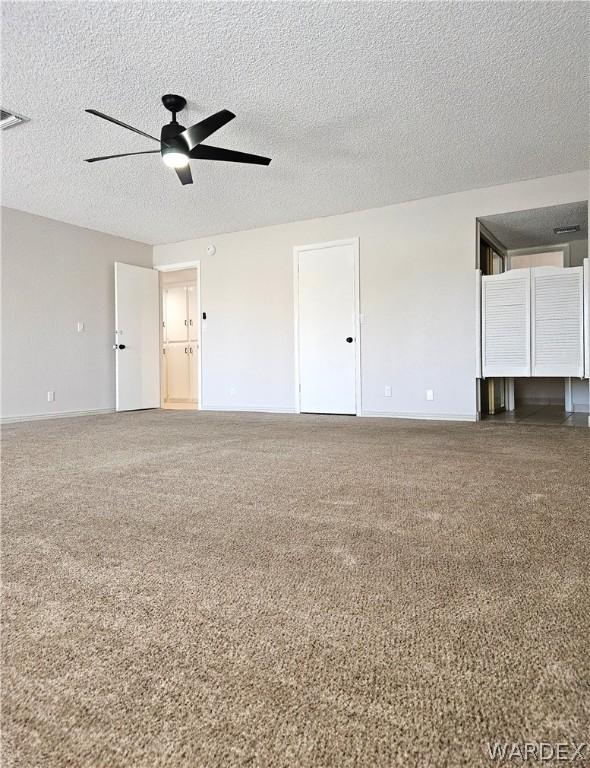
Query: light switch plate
column 80, row 326
column 430, row 394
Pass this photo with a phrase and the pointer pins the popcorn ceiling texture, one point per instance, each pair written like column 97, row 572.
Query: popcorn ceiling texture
column 358, row 104
column 211, row 590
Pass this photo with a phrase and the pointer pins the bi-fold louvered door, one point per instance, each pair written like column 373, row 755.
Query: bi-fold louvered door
column 533, row 322
column 506, row 324
column 557, row 310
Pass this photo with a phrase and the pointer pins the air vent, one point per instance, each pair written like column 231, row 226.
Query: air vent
column 8, row 119
column 567, row 230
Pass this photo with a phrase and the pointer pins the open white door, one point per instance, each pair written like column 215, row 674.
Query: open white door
column 328, row 343
column 137, row 338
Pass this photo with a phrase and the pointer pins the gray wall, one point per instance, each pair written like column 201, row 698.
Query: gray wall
column 54, row 275
column 417, row 286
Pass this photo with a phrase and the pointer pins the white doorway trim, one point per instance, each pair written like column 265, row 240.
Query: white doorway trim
column 354, row 241
column 176, row 268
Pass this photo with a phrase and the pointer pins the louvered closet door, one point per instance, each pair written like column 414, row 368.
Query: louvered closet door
column 557, row 321
column 506, row 335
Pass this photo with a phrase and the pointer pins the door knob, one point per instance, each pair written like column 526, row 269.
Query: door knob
column 121, row 346
column 349, row 339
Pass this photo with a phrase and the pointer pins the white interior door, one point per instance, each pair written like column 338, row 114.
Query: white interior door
column 328, row 327
column 137, row 338
column 176, row 318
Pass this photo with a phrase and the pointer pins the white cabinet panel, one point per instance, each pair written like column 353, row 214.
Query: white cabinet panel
column 193, row 321
column 193, row 370
column 175, row 313
column 506, row 312
column 557, row 325
column 178, row 371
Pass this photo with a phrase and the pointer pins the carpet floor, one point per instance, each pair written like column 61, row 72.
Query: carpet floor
column 215, row 589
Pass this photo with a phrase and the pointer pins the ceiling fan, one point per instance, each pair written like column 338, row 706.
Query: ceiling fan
column 178, row 144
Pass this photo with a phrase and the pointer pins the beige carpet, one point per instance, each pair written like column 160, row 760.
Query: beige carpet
column 204, row 589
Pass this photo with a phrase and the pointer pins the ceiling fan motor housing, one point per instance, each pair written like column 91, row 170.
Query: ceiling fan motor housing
column 170, row 140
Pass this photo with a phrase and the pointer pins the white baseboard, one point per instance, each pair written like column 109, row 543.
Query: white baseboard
column 247, row 408
column 422, row 416
column 56, row 415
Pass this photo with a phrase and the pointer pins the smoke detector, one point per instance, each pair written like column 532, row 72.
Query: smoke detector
column 567, row 230
column 8, row 119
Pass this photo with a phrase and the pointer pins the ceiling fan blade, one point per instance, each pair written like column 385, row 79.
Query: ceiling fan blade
column 205, row 152
column 184, row 174
column 126, row 154
column 123, row 125
column 199, row 132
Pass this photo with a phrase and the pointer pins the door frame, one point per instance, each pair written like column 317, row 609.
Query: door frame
column 297, row 249
column 176, row 268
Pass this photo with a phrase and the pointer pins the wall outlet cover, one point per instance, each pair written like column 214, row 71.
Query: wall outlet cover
column 387, row 392
column 430, row 394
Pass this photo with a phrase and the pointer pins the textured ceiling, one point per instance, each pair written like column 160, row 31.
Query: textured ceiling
column 527, row 229
column 358, row 104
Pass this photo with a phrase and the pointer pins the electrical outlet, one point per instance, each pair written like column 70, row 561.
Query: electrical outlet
column 51, row 396
column 80, row 326
column 387, row 392
column 430, row 394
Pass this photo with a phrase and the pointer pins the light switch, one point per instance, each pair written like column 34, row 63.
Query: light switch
column 80, row 326
column 430, row 394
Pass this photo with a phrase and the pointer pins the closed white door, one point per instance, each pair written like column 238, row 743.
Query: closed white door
column 327, row 327
column 137, row 338
column 178, row 371
column 175, row 313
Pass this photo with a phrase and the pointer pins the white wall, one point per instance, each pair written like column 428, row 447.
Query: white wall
column 417, row 297
column 53, row 275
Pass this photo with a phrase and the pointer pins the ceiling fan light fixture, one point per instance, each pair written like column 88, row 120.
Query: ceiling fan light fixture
column 174, row 159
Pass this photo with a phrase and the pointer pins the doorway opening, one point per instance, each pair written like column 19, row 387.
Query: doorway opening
column 180, row 358
column 534, row 340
